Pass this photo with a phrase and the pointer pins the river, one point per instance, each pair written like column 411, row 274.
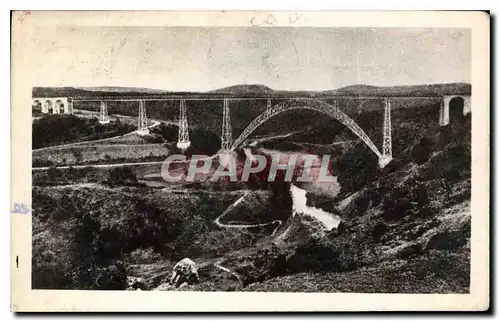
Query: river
column 299, row 198
column 298, row 194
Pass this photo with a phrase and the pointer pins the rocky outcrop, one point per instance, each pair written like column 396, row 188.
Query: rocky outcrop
column 185, row 271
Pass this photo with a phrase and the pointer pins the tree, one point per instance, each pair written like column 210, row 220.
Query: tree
column 122, row 176
column 356, row 168
column 167, row 132
column 53, row 173
column 422, row 150
column 85, row 246
column 203, row 141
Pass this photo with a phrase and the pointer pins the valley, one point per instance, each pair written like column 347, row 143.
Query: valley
column 102, row 210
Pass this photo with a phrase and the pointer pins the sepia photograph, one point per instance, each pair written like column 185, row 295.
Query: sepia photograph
column 257, row 157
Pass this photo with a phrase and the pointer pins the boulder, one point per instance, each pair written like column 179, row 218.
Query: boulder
column 185, row 271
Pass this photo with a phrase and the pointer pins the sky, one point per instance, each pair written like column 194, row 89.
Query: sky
column 202, row 59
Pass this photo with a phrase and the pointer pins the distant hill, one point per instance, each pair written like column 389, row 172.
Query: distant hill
column 58, row 91
column 358, row 88
column 93, row 91
column 118, row 89
column 262, row 90
column 410, row 90
column 243, row 89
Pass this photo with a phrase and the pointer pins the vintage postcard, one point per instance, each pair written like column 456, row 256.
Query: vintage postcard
column 250, row 161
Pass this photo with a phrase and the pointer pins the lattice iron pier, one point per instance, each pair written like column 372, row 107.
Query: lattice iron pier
column 226, row 137
column 142, row 124
column 103, row 114
column 183, row 139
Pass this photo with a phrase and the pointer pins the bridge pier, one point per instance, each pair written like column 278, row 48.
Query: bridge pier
column 444, row 109
column 49, row 106
column 54, row 105
column 387, row 141
column 183, row 139
column 384, row 160
column 142, row 126
column 226, row 137
column 45, row 107
column 103, row 115
column 69, row 109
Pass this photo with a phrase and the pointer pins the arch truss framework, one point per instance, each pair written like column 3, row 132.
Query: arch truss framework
column 332, row 110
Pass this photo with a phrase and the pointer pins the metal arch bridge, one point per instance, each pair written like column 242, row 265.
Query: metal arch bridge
column 317, row 103
column 331, row 110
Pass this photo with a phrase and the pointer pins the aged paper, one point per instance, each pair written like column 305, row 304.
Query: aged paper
column 250, row 161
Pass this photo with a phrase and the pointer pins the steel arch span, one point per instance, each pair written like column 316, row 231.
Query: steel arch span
column 311, row 104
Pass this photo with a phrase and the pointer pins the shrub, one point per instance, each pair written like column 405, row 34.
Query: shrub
column 357, row 168
column 112, row 277
column 422, row 150
column 203, row 141
column 53, row 172
column 148, row 226
column 167, row 133
column 77, row 154
column 316, row 255
column 85, row 244
column 50, row 269
column 395, row 207
column 155, row 139
column 190, row 230
column 452, row 164
column 122, row 176
column 144, row 256
column 379, row 231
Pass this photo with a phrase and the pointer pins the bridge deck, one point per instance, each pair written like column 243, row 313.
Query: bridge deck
column 220, row 97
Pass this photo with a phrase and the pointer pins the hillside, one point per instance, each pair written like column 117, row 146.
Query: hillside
column 411, row 90
column 407, row 230
column 243, row 89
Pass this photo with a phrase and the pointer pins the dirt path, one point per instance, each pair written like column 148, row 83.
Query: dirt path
column 56, row 147
column 101, row 165
column 225, row 269
column 78, row 185
column 96, row 186
column 217, row 221
column 242, row 226
column 318, row 144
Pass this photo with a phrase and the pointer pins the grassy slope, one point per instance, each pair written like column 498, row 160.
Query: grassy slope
column 54, row 130
column 436, row 272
